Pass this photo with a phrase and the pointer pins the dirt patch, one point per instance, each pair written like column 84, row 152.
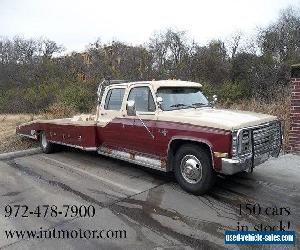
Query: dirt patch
column 9, row 141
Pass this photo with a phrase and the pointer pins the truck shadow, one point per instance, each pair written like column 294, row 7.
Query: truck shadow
column 245, row 186
column 166, row 205
column 238, row 183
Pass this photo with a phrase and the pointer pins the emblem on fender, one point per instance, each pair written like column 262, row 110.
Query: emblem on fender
column 163, row 132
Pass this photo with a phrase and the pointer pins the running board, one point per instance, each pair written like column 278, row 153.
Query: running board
column 133, row 158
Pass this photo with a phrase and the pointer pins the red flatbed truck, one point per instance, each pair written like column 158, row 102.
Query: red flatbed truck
column 167, row 125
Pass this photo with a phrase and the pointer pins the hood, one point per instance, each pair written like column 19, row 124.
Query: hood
column 216, row 118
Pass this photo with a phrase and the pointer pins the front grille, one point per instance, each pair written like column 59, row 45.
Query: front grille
column 266, row 138
column 258, row 142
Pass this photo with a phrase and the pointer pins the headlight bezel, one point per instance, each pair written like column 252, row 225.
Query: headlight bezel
column 241, row 142
column 234, row 144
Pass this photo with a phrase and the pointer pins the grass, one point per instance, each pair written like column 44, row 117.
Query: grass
column 9, row 141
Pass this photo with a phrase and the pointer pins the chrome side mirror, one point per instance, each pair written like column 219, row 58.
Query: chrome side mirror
column 214, row 99
column 159, row 101
column 131, row 111
column 98, row 94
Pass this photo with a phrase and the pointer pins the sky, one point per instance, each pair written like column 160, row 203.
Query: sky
column 75, row 23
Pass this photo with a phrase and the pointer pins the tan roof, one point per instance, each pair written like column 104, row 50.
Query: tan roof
column 163, row 83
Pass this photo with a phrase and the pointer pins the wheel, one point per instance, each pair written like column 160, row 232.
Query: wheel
column 193, row 169
column 47, row 147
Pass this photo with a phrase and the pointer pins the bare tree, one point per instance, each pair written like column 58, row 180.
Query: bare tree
column 234, row 43
column 281, row 40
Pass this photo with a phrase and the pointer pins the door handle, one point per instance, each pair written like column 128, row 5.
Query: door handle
column 103, row 114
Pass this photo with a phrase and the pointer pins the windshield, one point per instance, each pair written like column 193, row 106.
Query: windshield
column 181, row 97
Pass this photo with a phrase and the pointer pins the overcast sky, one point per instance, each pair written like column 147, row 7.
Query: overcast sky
column 75, row 23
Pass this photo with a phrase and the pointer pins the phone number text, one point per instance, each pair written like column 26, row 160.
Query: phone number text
column 49, row 211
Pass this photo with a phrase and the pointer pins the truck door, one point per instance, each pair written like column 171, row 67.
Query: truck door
column 109, row 123
column 139, row 134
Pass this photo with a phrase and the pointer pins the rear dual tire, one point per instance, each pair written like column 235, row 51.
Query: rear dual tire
column 193, row 169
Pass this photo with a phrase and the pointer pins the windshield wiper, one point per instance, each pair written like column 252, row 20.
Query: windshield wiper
column 199, row 104
column 177, row 105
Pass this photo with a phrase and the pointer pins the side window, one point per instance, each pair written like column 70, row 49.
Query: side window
column 143, row 99
column 114, row 99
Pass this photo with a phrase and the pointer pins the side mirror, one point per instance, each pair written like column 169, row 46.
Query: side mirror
column 215, row 99
column 159, row 101
column 131, row 111
column 99, row 92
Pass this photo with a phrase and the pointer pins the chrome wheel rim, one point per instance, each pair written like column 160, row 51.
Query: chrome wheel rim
column 191, row 169
column 44, row 141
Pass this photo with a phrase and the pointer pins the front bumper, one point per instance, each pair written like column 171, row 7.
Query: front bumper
column 265, row 141
column 232, row 166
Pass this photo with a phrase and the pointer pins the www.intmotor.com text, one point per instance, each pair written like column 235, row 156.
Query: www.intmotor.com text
column 78, row 233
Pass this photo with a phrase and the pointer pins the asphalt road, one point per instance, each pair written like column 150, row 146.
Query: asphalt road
column 155, row 212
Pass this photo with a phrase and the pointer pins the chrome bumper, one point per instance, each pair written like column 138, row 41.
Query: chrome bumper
column 232, row 166
column 266, row 141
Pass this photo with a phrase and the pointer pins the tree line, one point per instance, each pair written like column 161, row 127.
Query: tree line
column 34, row 75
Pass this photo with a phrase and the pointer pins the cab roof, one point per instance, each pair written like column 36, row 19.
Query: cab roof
column 161, row 83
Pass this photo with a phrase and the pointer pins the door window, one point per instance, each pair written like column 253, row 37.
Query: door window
column 114, row 99
column 143, row 99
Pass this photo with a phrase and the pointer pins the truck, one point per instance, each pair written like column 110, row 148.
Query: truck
column 167, row 125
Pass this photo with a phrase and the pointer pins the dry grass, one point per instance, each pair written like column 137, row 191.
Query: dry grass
column 279, row 107
column 9, row 141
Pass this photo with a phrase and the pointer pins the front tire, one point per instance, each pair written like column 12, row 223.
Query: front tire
column 193, row 169
column 47, row 147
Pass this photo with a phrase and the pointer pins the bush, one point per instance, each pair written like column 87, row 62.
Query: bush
column 208, row 90
column 233, row 92
column 31, row 99
column 227, row 92
column 77, row 96
column 58, row 110
column 40, row 98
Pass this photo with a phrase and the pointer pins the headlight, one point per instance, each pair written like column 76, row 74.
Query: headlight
column 245, row 145
column 234, row 143
column 241, row 142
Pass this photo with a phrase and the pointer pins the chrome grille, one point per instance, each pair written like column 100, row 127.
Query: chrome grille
column 266, row 138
